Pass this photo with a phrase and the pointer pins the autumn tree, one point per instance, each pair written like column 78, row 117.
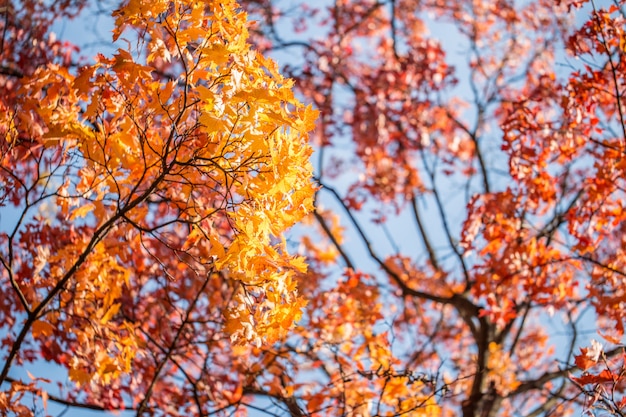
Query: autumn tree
column 466, row 252
column 144, row 198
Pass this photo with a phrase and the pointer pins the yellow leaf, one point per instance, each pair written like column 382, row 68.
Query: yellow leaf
column 299, row 264
column 110, row 313
column 82, row 211
column 309, row 116
column 194, row 236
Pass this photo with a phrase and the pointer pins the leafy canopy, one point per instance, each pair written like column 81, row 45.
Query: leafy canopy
column 150, row 191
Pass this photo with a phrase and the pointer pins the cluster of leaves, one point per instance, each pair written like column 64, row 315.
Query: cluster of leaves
column 145, row 197
column 477, row 196
column 603, row 378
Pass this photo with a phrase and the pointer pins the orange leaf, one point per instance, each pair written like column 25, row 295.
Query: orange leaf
column 583, row 361
column 42, row 328
column 79, row 376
